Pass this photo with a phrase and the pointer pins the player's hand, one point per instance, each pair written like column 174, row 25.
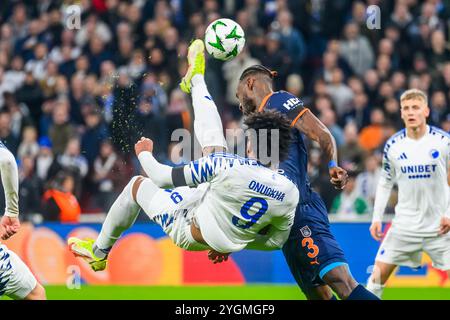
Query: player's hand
column 445, row 226
column 10, row 227
column 339, row 177
column 145, row 144
column 376, row 230
column 217, row 257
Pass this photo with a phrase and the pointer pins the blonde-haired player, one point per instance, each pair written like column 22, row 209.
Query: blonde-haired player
column 16, row 280
column 417, row 158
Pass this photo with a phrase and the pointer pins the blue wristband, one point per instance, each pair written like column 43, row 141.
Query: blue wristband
column 332, row 164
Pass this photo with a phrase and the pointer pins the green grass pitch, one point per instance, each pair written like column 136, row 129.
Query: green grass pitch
column 250, row 292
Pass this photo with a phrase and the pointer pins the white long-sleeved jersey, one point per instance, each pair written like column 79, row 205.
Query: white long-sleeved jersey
column 241, row 198
column 420, row 169
column 10, row 180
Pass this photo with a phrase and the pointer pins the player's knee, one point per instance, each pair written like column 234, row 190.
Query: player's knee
column 38, row 293
column 137, row 180
column 381, row 272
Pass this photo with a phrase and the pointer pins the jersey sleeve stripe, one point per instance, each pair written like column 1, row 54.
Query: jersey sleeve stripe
column 300, row 114
column 264, row 101
column 440, row 131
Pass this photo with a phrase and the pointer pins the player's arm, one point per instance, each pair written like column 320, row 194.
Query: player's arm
column 273, row 240
column 306, row 122
column 445, row 220
column 192, row 174
column 212, row 149
column 383, row 192
column 274, row 235
column 10, row 180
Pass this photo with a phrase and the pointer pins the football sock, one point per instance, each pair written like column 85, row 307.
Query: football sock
column 207, row 123
column 361, row 293
column 375, row 288
column 121, row 216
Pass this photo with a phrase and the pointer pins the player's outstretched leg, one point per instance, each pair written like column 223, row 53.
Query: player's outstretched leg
column 38, row 293
column 207, row 123
column 121, row 216
column 196, row 62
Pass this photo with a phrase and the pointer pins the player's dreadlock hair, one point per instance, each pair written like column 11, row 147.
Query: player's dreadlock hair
column 257, row 68
column 270, row 122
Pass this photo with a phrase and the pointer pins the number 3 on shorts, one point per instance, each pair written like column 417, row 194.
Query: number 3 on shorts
column 309, row 243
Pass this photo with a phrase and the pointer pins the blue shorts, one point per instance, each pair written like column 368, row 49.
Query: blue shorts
column 311, row 250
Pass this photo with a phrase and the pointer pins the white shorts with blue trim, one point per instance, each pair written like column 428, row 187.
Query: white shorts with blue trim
column 16, row 279
column 402, row 250
column 173, row 210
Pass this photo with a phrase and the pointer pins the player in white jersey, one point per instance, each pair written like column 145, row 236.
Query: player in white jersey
column 417, row 159
column 237, row 202
column 16, row 279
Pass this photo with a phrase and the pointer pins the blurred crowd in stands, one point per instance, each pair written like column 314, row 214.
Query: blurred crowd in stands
column 74, row 101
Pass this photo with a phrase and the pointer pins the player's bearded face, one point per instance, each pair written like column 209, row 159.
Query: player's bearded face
column 247, row 105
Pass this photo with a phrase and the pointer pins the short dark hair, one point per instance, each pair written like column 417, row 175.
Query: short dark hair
column 258, row 68
column 271, row 120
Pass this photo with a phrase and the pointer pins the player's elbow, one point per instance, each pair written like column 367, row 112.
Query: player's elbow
column 7, row 161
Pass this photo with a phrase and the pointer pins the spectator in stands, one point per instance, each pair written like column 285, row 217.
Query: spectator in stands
column 93, row 27
column 96, row 132
column 274, row 58
column 328, row 118
column 291, row 39
column 349, row 204
column 19, row 114
column 367, row 181
column 351, row 155
column 45, row 158
column 37, row 65
column 18, row 21
column 356, row 49
column 29, row 145
column 340, row 92
column 59, row 201
column 31, row 95
column 97, row 53
column 73, row 162
column 178, row 115
column 61, row 130
column 109, row 175
column 392, row 110
column 359, row 112
column 371, row 136
column 15, row 76
column 232, row 70
column 30, row 186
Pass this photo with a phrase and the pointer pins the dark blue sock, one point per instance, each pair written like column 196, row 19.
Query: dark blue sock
column 361, row 293
column 333, row 297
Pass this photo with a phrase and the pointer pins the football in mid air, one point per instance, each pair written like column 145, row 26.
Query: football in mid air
column 224, row 39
